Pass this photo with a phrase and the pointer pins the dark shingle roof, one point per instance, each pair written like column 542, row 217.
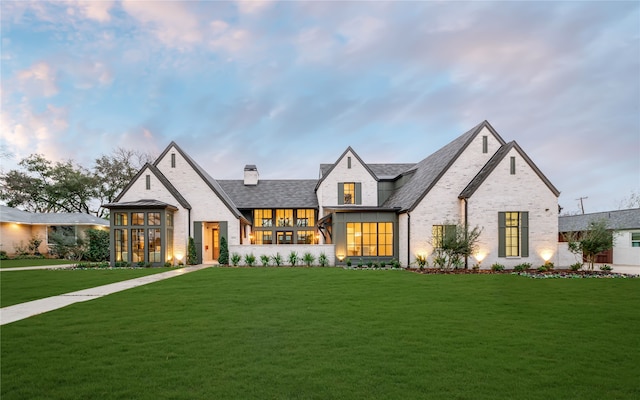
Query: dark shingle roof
column 430, row 170
column 9, row 214
column 146, row 203
column 272, row 193
column 616, row 220
column 493, row 163
column 381, row 171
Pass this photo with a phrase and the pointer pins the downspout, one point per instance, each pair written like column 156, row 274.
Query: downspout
column 408, row 239
column 466, row 230
column 189, row 224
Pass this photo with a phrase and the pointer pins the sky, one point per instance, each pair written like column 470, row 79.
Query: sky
column 289, row 85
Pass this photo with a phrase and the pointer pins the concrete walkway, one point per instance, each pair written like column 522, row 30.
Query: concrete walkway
column 25, row 310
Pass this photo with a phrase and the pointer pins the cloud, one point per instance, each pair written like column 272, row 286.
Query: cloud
column 171, row 22
column 94, row 10
column 38, row 80
column 253, row 6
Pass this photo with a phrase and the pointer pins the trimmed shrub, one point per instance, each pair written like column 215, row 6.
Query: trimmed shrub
column 293, row 258
column 576, row 267
column 308, row 259
column 497, row 267
column 249, row 259
column 223, row 258
column 192, row 257
column 277, row 260
column 97, row 245
column 235, row 259
column 522, row 267
column 265, row 260
column 322, row 260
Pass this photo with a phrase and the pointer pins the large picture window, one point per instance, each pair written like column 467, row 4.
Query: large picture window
column 305, row 217
column 155, row 248
column 137, row 242
column 264, row 237
column 61, row 233
column 370, row 239
column 304, row 237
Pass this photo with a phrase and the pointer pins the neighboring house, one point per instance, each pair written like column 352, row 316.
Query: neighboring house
column 355, row 210
column 17, row 227
column 625, row 225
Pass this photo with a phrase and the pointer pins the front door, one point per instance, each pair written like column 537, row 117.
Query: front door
column 215, row 242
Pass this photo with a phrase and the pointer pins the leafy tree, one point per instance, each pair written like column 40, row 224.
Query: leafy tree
column 633, row 201
column 223, row 258
column 97, row 245
column 44, row 186
column 114, row 172
column 596, row 239
column 192, row 256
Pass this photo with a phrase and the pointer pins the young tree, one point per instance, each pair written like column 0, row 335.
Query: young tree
column 459, row 243
column 97, row 244
column 596, row 239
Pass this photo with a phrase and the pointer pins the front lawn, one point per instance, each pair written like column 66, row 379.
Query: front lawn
column 328, row 333
column 37, row 262
column 21, row 286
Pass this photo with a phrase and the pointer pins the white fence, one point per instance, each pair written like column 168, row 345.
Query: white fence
column 284, row 250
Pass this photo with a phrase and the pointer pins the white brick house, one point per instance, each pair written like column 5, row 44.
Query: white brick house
column 355, row 209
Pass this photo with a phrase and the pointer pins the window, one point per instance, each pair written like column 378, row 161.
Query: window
column 263, row 218
column 137, row 242
column 61, row 233
column 137, row 218
column 169, row 220
column 513, row 166
column 120, row 219
column 513, row 234
column 305, row 217
column 284, row 217
column 121, row 244
column 153, row 218
column 155, row 248
column 635, row 239
column 148, row 182
column 349, row 162
column 349, row 193
column 173, row 160
column 285, row 237
column 439, row 232
column 369, row 239
column 264, row 237
column 485, row 144
column 304, row 237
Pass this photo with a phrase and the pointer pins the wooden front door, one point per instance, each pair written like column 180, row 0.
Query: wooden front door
column 215, row 243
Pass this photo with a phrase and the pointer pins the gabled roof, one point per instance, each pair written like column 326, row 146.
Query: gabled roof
column 493, row 163
column 429, row 171
column 163, row 179
column 616, row 220
column 212, row 183
column 349, row 149
column 272, row 193
column 9, row 214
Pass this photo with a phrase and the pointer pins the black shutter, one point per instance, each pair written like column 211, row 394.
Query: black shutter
column 502, row 231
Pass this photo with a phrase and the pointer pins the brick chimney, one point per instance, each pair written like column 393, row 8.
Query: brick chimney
column 250, row 175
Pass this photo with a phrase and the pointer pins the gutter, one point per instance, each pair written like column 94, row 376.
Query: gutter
column 408, row 239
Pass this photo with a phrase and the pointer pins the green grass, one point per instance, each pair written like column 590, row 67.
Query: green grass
column 21, row 286
column 299, row 333
column 33, row 262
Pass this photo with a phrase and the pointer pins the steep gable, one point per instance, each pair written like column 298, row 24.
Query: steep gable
column 213, row 185
column 163, row 180
column 326, row 169
column 497, row 158
column 429, row 171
